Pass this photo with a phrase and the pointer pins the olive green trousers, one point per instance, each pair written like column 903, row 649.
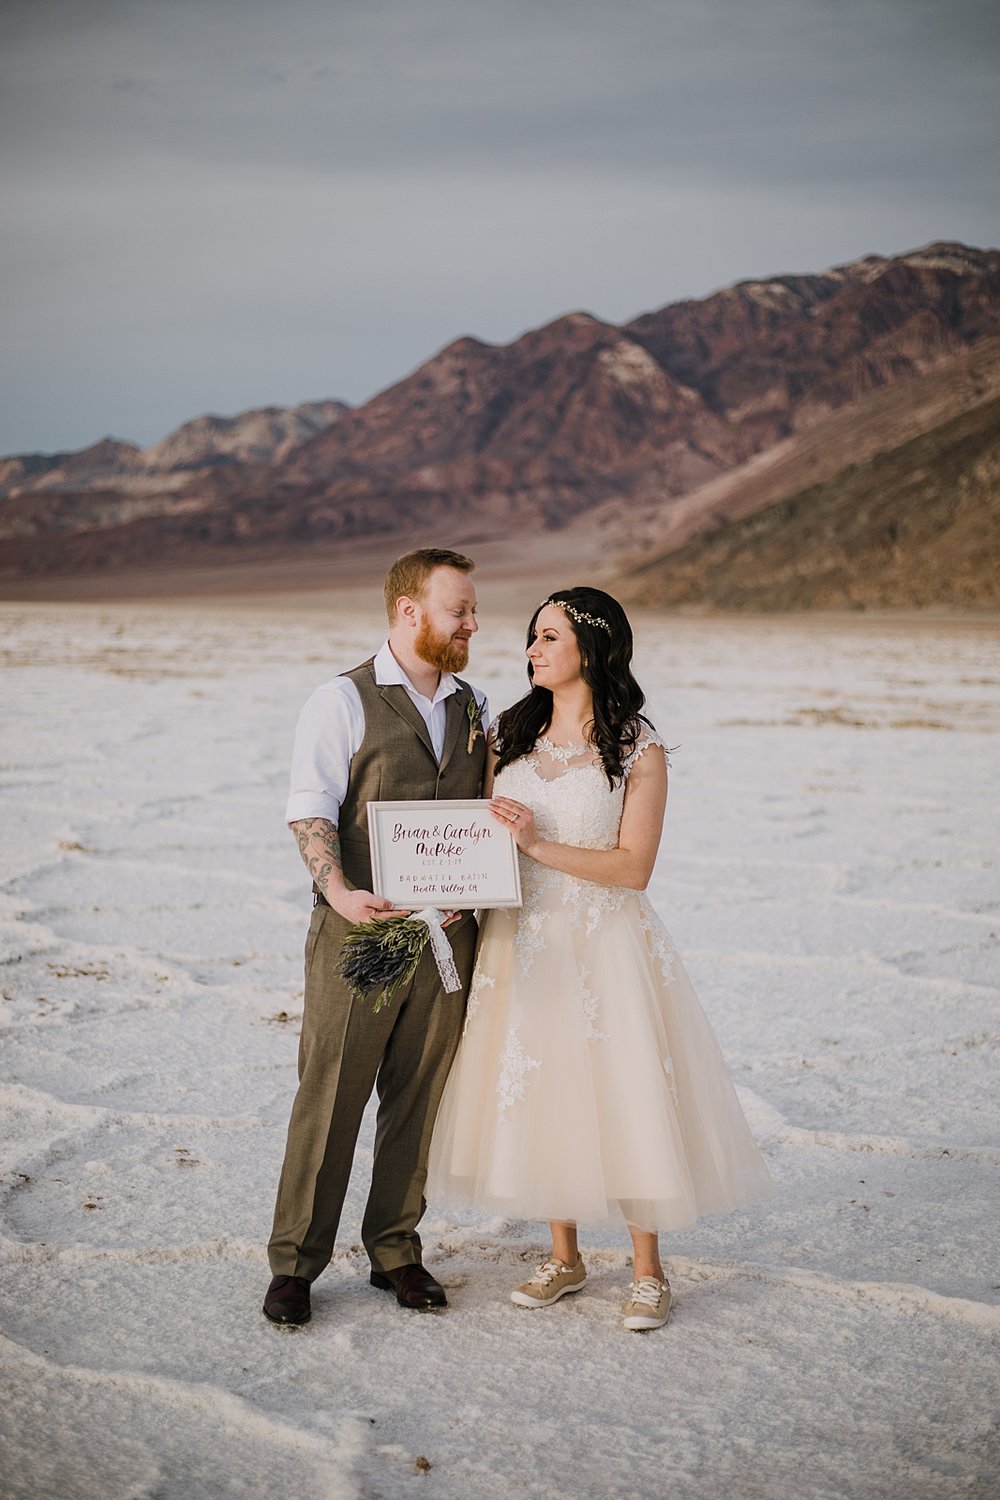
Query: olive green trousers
column 404, row 1052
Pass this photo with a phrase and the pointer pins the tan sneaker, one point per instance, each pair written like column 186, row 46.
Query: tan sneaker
column 552, row 1280
column 648, row 1304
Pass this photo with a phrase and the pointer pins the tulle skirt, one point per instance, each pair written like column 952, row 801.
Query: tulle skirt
column 589, row 1082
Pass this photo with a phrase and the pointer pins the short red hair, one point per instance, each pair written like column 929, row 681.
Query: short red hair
column 407, row 578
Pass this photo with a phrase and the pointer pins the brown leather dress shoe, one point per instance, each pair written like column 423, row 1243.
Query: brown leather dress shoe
column 287, row 1300
column 414, row 1287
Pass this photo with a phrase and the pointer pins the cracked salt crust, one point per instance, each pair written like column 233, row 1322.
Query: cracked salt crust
column 835, row 889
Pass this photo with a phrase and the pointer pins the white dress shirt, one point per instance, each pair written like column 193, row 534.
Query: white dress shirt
column 331, row 728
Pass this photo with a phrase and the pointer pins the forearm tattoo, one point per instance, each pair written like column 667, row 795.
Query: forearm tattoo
column 319, row 845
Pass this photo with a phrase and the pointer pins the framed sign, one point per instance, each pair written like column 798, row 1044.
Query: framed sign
column 449, row 854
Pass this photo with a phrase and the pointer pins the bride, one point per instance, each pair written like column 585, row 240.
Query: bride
column 588, row 1078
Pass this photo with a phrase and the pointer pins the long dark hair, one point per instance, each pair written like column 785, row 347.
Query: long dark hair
column 605, row 657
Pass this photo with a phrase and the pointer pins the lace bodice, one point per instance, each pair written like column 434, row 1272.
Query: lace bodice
column 567, row 789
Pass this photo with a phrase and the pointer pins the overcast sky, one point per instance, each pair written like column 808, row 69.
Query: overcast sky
column 209, row 205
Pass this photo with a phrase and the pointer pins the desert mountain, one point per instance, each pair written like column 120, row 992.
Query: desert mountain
column 882, row 422
column 634, row 435
column 262, row 436
column 913, row 525
column 108, row 459
column 112, row 484
column 775, row 356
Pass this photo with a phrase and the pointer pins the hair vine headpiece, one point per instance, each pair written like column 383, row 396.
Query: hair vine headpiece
column 577, row 614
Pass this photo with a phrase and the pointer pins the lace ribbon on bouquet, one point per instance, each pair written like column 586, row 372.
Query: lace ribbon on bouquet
column 441, row 948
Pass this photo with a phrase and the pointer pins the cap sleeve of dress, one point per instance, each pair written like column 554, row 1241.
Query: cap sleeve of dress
column 647, row 737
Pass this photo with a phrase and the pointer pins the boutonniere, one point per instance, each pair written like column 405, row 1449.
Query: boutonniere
column 474, row 710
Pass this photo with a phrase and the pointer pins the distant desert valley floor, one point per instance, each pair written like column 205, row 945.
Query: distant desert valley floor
column 509, row 576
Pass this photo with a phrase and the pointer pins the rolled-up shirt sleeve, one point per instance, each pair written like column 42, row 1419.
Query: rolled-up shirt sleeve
column 328, row 735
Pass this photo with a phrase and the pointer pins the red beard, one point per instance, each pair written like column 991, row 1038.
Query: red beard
column 441, row 651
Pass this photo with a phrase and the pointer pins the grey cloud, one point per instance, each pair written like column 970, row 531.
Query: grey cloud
column 464, row 84
column 249, row 203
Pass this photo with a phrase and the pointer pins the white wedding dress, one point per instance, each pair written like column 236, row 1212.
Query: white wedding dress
column 588, row 1080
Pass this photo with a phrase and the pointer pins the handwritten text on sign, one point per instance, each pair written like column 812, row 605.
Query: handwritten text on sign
column 452, row 854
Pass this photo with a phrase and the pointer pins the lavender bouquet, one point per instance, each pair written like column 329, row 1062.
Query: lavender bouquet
column 378, row 957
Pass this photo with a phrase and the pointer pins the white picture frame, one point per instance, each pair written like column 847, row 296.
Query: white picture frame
column 451, row 854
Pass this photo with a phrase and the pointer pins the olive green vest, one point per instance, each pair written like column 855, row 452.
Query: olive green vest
column 396, row 762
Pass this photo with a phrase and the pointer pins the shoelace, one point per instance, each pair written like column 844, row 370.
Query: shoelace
column 647, row 1290
column 548, row 1271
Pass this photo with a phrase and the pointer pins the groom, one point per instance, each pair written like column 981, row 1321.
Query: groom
column 400, row 726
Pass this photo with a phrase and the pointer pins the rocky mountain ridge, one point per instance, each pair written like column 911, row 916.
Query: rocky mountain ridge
column 259, row 436
column 564, row 429
column 911, row 527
